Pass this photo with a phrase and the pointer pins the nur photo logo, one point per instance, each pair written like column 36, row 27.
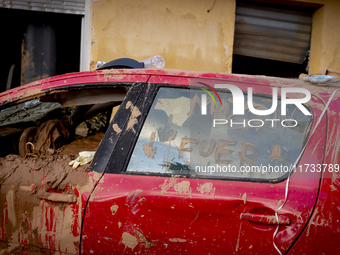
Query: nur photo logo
column 238, row 99
column 238, row 105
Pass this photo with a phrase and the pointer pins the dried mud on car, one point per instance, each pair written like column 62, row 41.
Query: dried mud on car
column 40, row 195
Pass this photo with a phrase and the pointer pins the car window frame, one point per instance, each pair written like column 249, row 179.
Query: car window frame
column 104, row 148
column 148, row 100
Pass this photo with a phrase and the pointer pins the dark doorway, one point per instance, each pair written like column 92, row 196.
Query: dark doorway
column 66, row 40
column 260, row 66
column 272, row 39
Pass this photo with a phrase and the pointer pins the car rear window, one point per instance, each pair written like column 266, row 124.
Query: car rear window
column 177, row 138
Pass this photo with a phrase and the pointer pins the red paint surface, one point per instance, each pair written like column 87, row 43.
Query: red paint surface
column 210, row 222
column 3, row 221
column 76, row 214
column 199, row 223
column 322, row 234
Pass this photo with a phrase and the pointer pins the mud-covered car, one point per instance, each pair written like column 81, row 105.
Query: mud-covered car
column 184, row 163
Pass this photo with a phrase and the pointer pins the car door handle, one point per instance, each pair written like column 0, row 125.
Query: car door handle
column 265, row 219
column 59, row 197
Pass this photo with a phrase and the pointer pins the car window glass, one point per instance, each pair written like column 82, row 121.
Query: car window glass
column 176, row 138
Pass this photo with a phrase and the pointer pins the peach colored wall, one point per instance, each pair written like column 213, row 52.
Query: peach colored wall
column 189, row 37
column 325, row 42
column 182, row 31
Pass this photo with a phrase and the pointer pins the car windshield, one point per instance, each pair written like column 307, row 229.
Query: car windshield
column 177, row 138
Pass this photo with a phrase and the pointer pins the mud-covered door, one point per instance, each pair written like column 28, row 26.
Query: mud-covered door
column 42, row 195
column 189, row 176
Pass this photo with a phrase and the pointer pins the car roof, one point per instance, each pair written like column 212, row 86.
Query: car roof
column 166, row 76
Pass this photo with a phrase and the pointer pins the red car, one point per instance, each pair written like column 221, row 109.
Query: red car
column 185, row 163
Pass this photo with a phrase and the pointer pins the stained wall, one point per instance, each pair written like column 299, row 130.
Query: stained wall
column 193, row 34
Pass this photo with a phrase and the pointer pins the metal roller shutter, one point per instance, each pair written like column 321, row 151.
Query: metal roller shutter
column 58, row 6
column 272, row 33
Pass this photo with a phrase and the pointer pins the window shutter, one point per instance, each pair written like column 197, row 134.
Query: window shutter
column 272, row 33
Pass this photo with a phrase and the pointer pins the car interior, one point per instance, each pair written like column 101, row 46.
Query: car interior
column 70, row 121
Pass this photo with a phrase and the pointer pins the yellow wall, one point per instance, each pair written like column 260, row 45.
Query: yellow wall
column 325, row 43
column 182, row 31
column 189, row 37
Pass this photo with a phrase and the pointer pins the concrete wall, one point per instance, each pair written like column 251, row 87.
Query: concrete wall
column 325, row 43
column 189, row 37
column 182, row 31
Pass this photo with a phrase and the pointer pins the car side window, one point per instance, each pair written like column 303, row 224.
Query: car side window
column 177, row 138
column 59, row 122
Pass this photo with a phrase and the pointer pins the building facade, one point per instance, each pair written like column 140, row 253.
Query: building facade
column 265, row 37
column 200, row 35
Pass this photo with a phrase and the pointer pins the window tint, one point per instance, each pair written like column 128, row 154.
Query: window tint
column 176, row 138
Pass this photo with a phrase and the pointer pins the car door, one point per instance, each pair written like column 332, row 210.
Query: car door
column 42, row 197
column 177, row 183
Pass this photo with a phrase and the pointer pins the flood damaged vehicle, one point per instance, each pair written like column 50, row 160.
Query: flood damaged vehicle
column 180, row 165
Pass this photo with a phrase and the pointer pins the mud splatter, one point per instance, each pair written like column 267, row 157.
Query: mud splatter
column 210, row 150
column 207, row 188
column 39, row 197
column 116, row 128
column 244, row 197
column 148, row 148
column 57, row 197
column 143, row 240
column 221, row 150
column 109, row 75
column 276, row 155
column 279, row 203
column 129, row 240
column 133, row 117
column 11, row 207
column 184, row 142
column 177, row 240
column 238, row 238
column 168, row 184
column 182, row 187
column 311, row 221
column 114, row 209
column 248, row 158
column 97, row 177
